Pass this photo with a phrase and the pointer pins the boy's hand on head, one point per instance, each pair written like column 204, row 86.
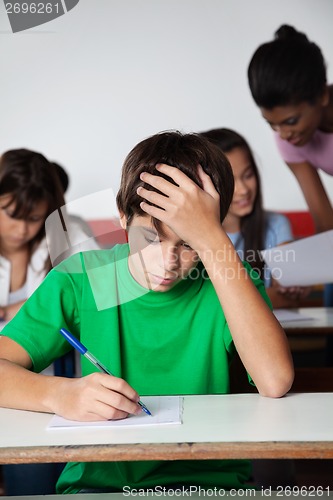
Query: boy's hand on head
column 186, row 208
column 96, row 397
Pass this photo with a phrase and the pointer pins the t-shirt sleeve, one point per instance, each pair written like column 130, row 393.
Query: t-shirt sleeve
column 288, row 152
column 36, row 325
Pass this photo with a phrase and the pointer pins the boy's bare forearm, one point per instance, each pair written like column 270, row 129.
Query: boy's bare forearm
column 259, row 338
column 24, row 390
column 95, row 397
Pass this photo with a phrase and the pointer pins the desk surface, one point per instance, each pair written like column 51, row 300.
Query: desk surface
column 320, row 324
column 223, row 426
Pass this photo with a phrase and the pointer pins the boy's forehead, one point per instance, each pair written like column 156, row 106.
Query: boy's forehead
column 146, row 224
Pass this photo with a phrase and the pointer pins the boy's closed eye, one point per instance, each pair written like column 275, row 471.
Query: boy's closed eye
column 155, row 241
column 153, row 238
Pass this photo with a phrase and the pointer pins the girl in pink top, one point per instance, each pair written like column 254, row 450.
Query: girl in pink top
column 287, row 78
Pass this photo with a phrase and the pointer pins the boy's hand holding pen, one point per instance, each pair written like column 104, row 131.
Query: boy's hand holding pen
column 84, row 351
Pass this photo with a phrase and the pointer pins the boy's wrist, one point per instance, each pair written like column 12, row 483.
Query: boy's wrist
column 50, row 394
column 215, row 242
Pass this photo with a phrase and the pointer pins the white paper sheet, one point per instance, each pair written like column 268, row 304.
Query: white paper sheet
column 283, row 315
column 164, row 410
column 303, row 262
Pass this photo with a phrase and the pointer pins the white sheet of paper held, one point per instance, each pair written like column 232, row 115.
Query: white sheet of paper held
column 165, row 410
column 303, row 262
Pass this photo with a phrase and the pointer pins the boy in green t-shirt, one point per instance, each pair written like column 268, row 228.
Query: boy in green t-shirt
column 164, row 312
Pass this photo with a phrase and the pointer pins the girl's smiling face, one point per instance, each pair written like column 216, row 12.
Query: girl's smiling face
column 157, row 260
column 296, row 123
column 246, row 186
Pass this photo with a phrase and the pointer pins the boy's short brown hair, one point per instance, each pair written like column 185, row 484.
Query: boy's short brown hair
column 184, row 151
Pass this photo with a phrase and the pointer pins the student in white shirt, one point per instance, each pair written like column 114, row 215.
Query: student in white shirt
column 30, row 190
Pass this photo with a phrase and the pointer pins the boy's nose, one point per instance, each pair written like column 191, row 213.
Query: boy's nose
column 171, row 258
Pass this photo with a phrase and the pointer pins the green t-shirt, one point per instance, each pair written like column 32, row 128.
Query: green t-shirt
column 162, row 343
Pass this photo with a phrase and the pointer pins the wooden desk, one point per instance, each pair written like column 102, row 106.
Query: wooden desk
column 321, row 324
column 306, row 338
column 227, row 426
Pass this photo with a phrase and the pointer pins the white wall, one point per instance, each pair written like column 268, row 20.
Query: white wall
column 86, row 87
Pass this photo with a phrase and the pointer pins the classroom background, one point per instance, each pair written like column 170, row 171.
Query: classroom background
column 83, row 89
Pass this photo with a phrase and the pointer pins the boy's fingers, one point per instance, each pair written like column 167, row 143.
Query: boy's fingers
column 114, row 401
column 119, row 395
column 207, row 183
column 164, row 186
column 157, row 213
column 181, row 179
column 119, row 385
column 175, row 174
column 158, row 199
column 104, row 411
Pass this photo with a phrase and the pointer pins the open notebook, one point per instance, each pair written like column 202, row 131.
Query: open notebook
column 164, row 410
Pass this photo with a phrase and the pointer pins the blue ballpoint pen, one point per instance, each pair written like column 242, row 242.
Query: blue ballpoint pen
column 84, row 351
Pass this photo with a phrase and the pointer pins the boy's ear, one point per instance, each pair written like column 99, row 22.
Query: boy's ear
column 123, row 220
